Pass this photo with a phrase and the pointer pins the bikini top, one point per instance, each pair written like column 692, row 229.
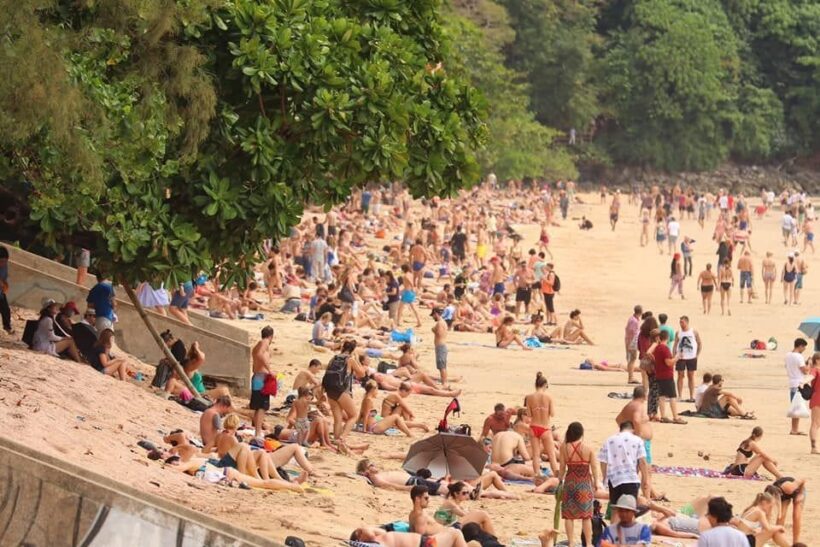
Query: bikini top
column 747, row 453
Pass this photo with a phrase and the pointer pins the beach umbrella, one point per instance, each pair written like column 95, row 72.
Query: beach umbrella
column 459, row 456
column 810, row 327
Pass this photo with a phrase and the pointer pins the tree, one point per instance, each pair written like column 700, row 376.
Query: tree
column 176, row 136
column 518, row 146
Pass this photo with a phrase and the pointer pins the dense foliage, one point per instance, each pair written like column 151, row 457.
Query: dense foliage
column 171, row 135
column 179, row 134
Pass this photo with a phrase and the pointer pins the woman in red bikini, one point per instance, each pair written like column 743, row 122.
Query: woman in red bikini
column 540, row 408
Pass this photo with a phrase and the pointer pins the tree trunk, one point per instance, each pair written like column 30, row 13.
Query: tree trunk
column 165, row 349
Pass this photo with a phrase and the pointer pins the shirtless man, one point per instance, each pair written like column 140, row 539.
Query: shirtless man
column 261, row 368
column 510, row 456
column 541, row 409
column 498, row 421
column 307, row 378
column 497, row 276
column 418, row 260
column 745, row 267
column 440, row 344
column 424, row 524
column 635, row 411
column 523, row 280
column 396, row 480
column 408, row 296
column 210, row 423
column 802, row 270
column 448, row 537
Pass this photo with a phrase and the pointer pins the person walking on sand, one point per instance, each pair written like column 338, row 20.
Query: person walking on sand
column 706, row 286
column 440, row 344
column 688, row 346
column 745, row 267
column 541, row 409
column 673, row 232
column 579, row 474
column 635, row 412
column 408, row 296
column 615, row 209
column 789, row 276
column 633, row 326
column 623, row 465
column 768, row 272
column 795, row 369
column 726, row 279
column 814, row 401
column 5, row 311
column 676, row 276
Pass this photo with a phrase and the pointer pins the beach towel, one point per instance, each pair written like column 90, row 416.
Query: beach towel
column 491, row 346
column 533, row 342
column 694, row 414
column 701, row 472
column 403, row 337
column 616, row 395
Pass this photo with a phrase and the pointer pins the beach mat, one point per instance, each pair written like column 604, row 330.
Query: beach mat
column 694, row 414
column 700, row 472
column 480, row 345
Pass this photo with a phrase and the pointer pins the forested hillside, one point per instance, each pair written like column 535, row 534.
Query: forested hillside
column 666, row 84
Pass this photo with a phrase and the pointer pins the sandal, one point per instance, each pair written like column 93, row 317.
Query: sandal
column 680, row 421
column 665, row 421
column 748, row 416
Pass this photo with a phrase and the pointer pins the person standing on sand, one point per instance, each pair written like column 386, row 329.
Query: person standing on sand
column 408, row 296
column 614, row 209
column 726, row 279
column 631, row 342
column 5, row 311
column 706, row 286
column 802, row 270
column 788, row 277
column 635, row 412
column 548, row 292
column 497, row 276
column 673, row 232
column 418, row 260
column 623, row 465
column 541, row 409
column 260, row 403
column 440, row 344
column 745, row 267
column 688, row 346
column 795, row 369
column 665, row 364
column 523, row 289
column 769, row 275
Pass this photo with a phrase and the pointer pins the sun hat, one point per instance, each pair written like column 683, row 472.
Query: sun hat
column 627, row 502
column 70, row 306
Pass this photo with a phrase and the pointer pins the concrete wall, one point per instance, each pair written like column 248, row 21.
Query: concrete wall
column 48, row 502
column 33, row 278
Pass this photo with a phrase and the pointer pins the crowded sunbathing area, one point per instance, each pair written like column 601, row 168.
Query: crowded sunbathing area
column 526, row 365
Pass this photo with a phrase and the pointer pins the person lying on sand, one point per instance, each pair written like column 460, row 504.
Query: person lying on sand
column 448, row 537
column 388, row 383
column 604, row 366
column 214, row 474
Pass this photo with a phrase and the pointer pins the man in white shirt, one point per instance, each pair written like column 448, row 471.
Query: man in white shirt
column 623, row 458
column 786, row 226
column 701, row 389
column 673, row 231
column 721, row 534
column 796, row 368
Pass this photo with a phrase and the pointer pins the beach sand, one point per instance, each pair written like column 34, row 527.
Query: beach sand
column 73, row 413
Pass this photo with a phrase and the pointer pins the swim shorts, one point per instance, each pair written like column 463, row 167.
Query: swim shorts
column 441, row 357
column 498, row 288
column 408, row 297
column 259, row 401
column 648, row 447
column 745, row 280
column 417, row 266
column 687, row 364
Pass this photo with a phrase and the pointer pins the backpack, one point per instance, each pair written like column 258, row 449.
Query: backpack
column 337, row 377
column 162, row 375
column 29, row 330
column 556, row 284
column 384, row 367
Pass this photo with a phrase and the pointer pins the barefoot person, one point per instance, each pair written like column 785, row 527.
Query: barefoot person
column 795, row 369
column 505, row 335
column 726, row 279
column 408, row 296
column 448, row 537
column 541, row 409
column 260, row 403
column 688, row 346
column 665, row 364
column 706, row 286
column 769, row 275
column 749, row 457
column 631, row 332
column 440, row 344
column 579, row 474
column 746, row 269
column 337, row 383
column 635, row 413
column 814, row 401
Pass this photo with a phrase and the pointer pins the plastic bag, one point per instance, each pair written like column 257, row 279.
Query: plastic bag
column 799, row 407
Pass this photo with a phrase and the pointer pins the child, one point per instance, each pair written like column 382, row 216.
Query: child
column 301, row 407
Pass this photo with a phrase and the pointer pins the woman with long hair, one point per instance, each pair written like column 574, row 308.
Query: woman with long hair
column 726, row 279
column 749, row 457
column 789, row 278
column 378, row 425
column 45, row 340
column 540, row 409
column 706, row 286
column 647, row 339
column 758, row 521
column 103, row 361
column 676, row 276
column 814, row 401
column 579, row 474
column 452, row 511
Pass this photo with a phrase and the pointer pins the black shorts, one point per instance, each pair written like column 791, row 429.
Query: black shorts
column 259, row 401
column 432, row 486
column 687, row 364
column 631, row 488
column 523, row 295
column 666, row 388
column 549, row 300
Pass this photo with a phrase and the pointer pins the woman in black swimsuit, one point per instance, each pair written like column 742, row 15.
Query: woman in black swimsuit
column 792, row 492
column 749, row 457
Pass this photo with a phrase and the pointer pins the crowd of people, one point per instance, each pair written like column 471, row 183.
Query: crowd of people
column 464, row 261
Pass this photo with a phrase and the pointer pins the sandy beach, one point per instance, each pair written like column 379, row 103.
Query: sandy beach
column 72, row 412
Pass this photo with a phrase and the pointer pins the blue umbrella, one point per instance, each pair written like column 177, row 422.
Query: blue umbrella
column 810, row 327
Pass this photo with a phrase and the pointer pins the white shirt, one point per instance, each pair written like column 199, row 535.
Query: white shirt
column 723, row 202
column 687, row 344
column 723, row 536
column 621, row 453
column 794, row 361
column 699, row 391
column 674, row 228
column 788, row 221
